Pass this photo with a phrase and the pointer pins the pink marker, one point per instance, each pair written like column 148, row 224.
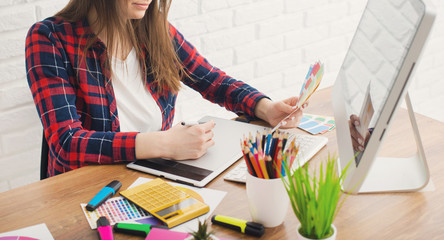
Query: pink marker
column 104, row 228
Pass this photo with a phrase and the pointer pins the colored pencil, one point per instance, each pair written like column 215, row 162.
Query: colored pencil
column 262, row 166
column 265, row 153
column 255, row 163
column 259, row 141
column 270, row 168
column 267, row 150
column 248, row 161
column 273, row 147
column 278, row 165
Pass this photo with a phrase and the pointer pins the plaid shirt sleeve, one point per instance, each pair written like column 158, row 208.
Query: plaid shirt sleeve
column 72, row 143
column 212, row 83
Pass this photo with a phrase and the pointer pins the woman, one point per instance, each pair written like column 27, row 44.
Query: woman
column 105, row 74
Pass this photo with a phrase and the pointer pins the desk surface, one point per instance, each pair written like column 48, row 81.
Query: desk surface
column 56, row 201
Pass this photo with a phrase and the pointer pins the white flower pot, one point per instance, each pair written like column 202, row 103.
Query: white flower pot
column 300, row 237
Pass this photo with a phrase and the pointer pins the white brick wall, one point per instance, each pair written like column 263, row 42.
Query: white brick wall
column 266, row 43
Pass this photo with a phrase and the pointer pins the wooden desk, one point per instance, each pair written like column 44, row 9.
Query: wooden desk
column 56, row 201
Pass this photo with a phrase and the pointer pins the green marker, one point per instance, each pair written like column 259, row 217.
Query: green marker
column 250, row 228
column 135, row 228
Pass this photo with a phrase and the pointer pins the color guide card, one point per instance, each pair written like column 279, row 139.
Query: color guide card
column 316, row 124
column 117, row 209
column 311, row 83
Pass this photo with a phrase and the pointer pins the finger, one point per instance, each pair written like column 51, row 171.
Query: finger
column 292, row 122
column 297, row 113
column 208, row 135
column 356, row 136
column 284, row 107
column 208, row 144
column 297, row 118
column 292, row 101
column 367, row 137
column 288, row 125
column 203, row 149
column 207, row 126
column 355, row 120
column 356, row 146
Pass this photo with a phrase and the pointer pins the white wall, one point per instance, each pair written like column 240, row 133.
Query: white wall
column 266, row 43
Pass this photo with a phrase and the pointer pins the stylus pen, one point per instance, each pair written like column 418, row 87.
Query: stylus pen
column 189, row 123
column 104, row 229
column 106, row 192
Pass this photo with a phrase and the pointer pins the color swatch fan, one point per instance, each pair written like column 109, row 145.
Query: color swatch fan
column 311, row 83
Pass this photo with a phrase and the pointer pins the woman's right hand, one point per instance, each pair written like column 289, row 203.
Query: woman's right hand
column 189, row 142
column 177, row 143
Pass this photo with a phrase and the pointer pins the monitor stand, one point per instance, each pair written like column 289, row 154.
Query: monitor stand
column 399, row 174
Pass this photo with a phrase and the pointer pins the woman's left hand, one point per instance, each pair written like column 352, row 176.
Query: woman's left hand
column 274, row 112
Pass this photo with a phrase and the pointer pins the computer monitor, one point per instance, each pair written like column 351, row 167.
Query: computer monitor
column 371, row 84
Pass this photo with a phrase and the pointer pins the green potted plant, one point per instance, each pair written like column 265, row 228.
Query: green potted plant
column 202, row 233
column 315, row 199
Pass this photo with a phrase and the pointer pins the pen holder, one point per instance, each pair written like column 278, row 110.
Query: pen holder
column 267, row 199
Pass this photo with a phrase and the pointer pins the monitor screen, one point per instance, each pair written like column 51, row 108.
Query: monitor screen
column 372, row 82
column 377, row 52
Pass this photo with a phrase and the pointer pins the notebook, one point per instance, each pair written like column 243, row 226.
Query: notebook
column 161, row 234
column 199, row 172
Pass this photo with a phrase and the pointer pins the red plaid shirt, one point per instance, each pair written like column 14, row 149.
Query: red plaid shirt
column 76, row 103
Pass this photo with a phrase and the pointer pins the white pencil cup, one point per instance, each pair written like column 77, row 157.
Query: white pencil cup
column 267, row 199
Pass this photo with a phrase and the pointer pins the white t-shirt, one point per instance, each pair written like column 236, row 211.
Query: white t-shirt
column 136, row 107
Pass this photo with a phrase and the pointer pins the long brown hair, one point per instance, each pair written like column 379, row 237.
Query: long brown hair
column 150, row 33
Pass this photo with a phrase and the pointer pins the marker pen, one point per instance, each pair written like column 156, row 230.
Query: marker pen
column 106, row 192
column 250, row 228
column 135, row 228
column 104, row 229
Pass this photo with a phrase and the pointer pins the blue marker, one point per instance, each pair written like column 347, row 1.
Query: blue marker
column 103, row 195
